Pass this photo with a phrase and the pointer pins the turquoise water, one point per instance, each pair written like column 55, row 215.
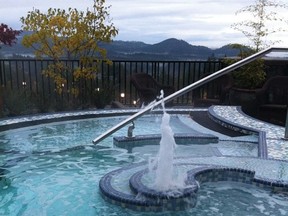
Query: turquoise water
column 53, row 169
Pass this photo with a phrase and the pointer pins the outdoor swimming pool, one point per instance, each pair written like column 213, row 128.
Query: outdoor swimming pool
column 54, row 169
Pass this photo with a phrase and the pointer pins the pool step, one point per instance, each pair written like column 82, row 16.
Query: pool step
column 154, row 139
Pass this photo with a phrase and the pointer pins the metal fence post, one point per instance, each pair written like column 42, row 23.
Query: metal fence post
column 286, row 126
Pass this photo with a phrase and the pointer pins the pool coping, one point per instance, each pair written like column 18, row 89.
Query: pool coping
column 213, row 113
column 204, row 172
column 270, row 136
column 31, row 120
column 152, row 200
column 262, row 144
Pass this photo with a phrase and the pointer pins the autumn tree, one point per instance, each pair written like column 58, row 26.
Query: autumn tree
column 8, row 35
column 72, row 34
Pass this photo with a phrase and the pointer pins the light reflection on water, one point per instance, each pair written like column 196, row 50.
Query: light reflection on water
column 42, row 175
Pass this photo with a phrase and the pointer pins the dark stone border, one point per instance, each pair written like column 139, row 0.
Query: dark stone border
column 218, row 173
column 125, row 200
column 182, row 199
column 137, row 186
column 152, row 200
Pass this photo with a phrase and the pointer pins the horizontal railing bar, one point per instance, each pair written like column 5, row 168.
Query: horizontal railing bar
column 188, row 88
column 121, row 61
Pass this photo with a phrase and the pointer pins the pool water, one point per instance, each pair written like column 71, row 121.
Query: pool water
column 229, row 198
column 53, row 169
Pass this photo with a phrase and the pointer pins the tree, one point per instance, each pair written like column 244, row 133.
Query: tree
column 72, row 34
column 261, row 19
column 260, row 22
column 8, row 35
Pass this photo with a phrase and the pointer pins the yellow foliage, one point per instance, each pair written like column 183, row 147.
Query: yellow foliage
column 60, row 34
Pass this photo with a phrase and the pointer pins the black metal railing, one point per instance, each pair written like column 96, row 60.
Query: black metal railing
column 19, row 74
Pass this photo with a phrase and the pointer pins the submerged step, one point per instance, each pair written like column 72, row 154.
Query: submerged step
column 154, row 139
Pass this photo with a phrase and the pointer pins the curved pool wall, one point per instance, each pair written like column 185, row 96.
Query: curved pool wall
column 273, row 146
column 261, row 172
column 271, row 151
column 199, row 171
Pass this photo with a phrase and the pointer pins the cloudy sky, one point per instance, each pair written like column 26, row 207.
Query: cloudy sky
column 199, row 22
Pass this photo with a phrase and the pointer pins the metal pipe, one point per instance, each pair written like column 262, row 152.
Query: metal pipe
column 130, row 130
column 188, row 88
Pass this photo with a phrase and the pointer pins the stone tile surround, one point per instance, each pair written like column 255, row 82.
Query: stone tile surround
column 202, row 169
column 277, row 147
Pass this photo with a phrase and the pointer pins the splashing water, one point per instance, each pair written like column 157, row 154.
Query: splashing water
column 164, row 170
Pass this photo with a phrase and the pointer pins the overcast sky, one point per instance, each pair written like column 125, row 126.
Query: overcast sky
column 199, row 22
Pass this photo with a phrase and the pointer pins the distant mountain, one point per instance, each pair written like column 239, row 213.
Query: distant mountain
column 226, row 51
column 170, row 46
column 170, row 49
column 177, row 49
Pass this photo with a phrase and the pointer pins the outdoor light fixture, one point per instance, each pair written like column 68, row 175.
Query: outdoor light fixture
column 122, row 96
